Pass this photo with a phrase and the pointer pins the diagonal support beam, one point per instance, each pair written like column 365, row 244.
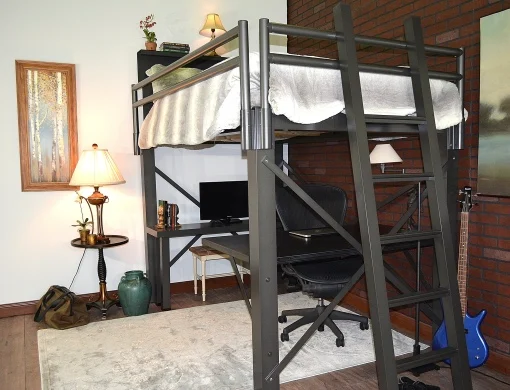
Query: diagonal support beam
column 410, row 211
column 185, row 249
column 393, row 277
column 240, row 283
column 313, row 204
column 311, row 330
column 392, row 197
column 177, row 186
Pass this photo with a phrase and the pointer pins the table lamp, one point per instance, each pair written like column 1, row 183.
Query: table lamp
column 96, row 168
column 212, row 26
column 384, row 154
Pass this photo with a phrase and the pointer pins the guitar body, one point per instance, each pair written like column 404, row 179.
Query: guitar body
column 477, row 348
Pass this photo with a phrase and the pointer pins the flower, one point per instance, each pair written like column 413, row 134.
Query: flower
column 84, row 221
column 147, row 24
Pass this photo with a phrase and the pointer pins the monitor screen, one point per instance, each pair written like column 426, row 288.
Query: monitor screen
column 223, row 200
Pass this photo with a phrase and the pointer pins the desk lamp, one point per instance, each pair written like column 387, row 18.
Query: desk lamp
column 212, row 26
column 96, row 168
column 384, row 154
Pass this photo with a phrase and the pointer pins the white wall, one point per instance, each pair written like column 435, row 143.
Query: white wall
column 101, row 38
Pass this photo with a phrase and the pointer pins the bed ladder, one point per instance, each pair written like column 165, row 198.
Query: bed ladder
column 386, row 363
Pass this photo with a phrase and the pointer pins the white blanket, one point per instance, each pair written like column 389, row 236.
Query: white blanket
column 304, row 95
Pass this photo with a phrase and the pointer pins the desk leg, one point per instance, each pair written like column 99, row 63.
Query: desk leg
column 164, row 272
column 103, row 301
column 152, row 267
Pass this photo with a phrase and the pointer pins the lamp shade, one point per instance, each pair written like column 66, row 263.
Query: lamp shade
column 212, row 22
column 384, row 153
column 96, row 168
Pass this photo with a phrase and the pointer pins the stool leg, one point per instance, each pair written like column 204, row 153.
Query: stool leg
column 203, row 280
column 241, row 272
column 195, row 274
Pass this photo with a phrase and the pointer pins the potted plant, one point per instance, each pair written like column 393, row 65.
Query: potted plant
column 84, row 222
column 150, row 36
column 84, row 232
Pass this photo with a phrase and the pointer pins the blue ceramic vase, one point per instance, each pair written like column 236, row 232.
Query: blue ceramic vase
column 134, row 293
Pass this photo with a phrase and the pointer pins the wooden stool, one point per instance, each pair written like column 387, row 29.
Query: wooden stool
column 204, row 253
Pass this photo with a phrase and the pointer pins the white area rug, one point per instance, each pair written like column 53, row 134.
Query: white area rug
column 205, row 347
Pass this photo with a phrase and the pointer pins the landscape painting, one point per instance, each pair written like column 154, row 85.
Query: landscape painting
column 494, row 147
column 47, row 124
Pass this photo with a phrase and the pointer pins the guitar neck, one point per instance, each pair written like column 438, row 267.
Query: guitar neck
column 462, row 263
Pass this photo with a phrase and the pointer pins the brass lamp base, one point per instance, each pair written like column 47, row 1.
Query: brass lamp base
column 98, row 200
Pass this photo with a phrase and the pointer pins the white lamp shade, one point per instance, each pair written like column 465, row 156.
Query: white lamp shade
column 212, row 21
column 96, row 168
column 384, row 153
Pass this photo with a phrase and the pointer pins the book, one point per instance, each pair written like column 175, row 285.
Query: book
column 170, row 46
column 175, row 51
column 185, row 45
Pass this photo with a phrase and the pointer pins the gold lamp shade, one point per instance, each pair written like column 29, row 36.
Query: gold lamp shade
column 96, row 168
column 212, row 26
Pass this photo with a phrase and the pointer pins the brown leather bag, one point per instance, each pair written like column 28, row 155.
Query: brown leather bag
column 60, row 308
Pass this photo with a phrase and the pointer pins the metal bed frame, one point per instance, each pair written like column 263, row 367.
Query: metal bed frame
column 257, row 126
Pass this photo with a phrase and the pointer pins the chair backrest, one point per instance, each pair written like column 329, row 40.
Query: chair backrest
column 296, row 214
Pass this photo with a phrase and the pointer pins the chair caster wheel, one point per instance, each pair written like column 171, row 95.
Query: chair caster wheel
column 284, row 337
column 321, row 328
column 340, row 342
column 282, row 319
column 363, row 325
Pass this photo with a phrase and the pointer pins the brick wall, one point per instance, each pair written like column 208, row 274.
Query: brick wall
column 452, row 23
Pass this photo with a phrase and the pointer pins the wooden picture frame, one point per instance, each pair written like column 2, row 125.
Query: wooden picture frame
column 48, row 133
column 493, row 175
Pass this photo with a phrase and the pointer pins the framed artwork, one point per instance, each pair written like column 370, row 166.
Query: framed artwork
column 48, row 135
column 494, row 133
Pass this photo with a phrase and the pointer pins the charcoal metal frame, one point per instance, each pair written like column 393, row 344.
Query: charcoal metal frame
column 257, row 139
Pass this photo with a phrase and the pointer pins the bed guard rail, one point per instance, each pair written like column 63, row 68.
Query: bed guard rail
column 455, row 134
column 241, row 32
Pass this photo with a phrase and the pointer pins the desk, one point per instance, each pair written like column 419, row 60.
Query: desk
column 158, row 258
column 103, row 301
column 292, row 249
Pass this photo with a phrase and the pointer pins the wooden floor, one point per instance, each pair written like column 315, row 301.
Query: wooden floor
column 19, row 362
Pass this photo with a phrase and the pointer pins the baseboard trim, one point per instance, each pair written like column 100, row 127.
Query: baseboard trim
column 498, row 362
column 28, row 308
column 188, row 287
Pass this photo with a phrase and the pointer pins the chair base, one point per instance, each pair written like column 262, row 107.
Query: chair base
column 308, row 316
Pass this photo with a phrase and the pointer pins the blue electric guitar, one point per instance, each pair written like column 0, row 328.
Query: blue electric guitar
column 478, row 351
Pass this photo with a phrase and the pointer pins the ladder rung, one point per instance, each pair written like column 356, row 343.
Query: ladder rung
column 394, row 119
column 426, row 357
column 386, row 178
column 411, row 236
column 417, row 297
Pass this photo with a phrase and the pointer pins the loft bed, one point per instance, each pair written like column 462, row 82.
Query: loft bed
column 303, row 95
column 256, row 125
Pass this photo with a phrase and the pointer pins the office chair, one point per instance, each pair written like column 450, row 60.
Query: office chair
column 322, row 278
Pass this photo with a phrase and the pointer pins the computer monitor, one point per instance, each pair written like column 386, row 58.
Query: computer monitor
column 224, row 201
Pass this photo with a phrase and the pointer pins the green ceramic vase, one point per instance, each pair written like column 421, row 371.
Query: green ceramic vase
column 134, row 293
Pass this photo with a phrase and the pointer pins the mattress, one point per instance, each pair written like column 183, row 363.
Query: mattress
column 304, row 95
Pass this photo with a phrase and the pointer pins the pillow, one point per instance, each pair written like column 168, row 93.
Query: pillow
column 171, row 78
